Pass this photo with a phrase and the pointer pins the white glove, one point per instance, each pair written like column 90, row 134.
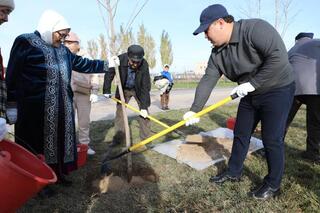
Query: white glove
column 107, row 95
column 243, row 89
column 143, row 113
column 93, row 98
column 114, row 61
column 190, row 119
column 12, row 115
column 3, row 128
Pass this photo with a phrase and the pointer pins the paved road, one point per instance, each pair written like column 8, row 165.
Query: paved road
column 179, row 99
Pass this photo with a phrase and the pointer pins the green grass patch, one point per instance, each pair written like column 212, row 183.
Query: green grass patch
column 181, row 188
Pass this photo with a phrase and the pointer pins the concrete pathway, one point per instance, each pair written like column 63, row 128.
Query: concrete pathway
column 104, row 109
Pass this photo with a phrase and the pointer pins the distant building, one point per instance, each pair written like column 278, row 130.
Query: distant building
column 200, row 68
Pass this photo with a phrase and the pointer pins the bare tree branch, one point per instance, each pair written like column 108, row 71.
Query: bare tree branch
column 129, row 25
column 286, row 5
column 101, row 14
column 115, row 8
column 101, row 4
column 132, row 15
column 276, row 14
column 252, row 10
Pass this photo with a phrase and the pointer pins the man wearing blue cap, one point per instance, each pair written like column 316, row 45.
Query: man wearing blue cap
column 251, row 53
column 304, row 57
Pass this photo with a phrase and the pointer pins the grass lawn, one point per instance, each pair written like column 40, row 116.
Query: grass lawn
column 180, row 188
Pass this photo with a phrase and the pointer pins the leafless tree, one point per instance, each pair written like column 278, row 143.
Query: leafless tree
column 111, row 10
column 111, row 7
column 285, row 18
column 253, row 9
column 282, row 13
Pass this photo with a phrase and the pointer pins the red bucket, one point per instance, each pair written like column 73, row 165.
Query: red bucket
column 22, row 175
column 231, row 123
column 82, row 154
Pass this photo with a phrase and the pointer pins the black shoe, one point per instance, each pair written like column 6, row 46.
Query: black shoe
column 264, row 192
column 114, row 143
column 64, row 182
column 311, row 157
column 46, row 192
column 118, row 139
column 166, row 108
column 223, row 177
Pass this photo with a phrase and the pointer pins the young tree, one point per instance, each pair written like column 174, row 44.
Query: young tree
column 111, row 12
column 111, row 7
column 148, row 44
column 166, row 49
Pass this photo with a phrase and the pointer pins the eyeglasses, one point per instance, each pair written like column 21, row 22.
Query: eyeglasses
column 62, row 35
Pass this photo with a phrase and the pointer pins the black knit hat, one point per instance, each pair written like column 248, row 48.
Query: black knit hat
column 303, row 34
column 135, row 53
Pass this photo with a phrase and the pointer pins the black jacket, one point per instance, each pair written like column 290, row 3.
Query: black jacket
column 142, row 80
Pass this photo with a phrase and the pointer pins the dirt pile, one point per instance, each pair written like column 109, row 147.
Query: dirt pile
column 113, row 183
column 203, row 149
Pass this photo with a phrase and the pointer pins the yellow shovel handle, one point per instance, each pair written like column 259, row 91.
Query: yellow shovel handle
column 138, row 111
column 181, row 123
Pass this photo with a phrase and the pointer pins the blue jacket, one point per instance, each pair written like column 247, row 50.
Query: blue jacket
column 167, row 75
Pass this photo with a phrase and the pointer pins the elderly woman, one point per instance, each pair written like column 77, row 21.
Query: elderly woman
column 38, row 82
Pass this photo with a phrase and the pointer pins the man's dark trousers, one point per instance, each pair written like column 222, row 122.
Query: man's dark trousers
column 145, row 130
column 313, row 121
column 271, row 108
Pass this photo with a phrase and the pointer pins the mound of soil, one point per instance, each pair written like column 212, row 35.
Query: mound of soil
column 203, row 149
column 113, row 183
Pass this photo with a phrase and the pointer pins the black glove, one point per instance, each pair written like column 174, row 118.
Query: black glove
column 169, row 87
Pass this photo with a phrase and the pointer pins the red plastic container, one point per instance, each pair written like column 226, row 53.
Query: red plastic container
column 230, row 123
column 82, row 154
column 22, row 175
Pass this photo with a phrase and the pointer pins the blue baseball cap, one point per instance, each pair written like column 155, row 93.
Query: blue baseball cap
column 209, row 15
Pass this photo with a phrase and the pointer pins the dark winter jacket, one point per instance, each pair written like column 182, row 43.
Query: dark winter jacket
column 255, row 54
column 142, row 80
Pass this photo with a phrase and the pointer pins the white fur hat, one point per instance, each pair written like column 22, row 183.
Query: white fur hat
column 7, row 3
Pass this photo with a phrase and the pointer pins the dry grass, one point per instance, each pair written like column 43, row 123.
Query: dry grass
column 180, row 188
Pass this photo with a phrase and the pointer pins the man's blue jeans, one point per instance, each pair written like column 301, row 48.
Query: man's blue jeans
column 271, row 108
